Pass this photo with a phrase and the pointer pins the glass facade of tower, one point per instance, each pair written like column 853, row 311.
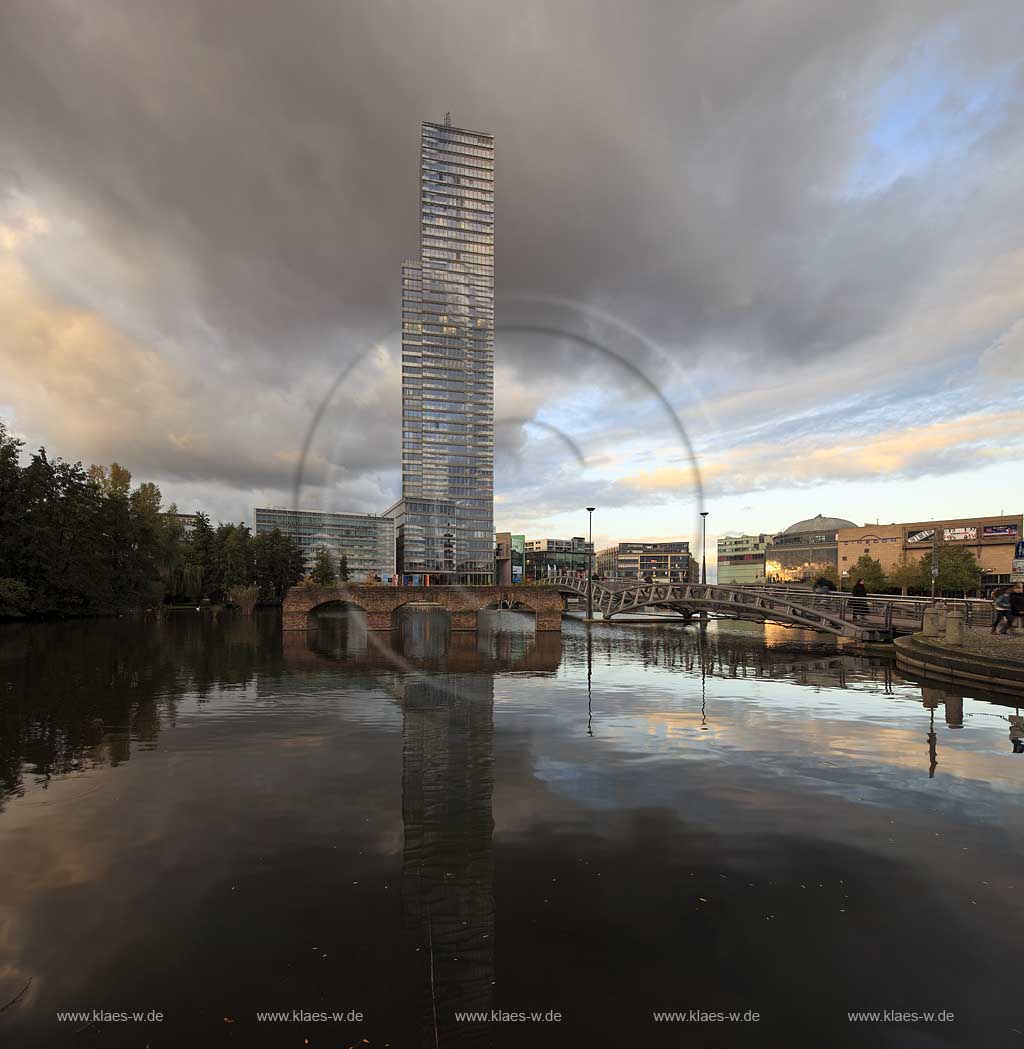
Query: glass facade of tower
column 445, row 519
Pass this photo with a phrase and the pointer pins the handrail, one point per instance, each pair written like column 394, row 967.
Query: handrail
column 841, row 611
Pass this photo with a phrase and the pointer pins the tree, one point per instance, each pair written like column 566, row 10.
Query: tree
column 112, row 480
column 64, row 555
column 343, row 568
column 870, row 570
column 323, row 568
column 14, row 598
column 244, row 598
column 906, row 573
column 830, row 573
column 77, row 541
column 279, row 563
column 959, row 570
column 233, row 562
column 11, row 522
column 199, row 569
column 173, row 549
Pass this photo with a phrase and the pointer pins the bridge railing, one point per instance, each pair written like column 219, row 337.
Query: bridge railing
column 893, row 606
column 887, row 610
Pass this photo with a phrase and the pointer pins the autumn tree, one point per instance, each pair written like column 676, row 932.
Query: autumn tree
column 323, row 573
column 906, row 573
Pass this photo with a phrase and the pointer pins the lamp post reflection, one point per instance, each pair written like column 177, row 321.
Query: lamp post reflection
column 590, row 672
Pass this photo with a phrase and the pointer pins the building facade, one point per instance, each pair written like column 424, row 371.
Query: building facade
column 187, row 521
column 366, row 541
column 992, row 540
column 545, row 557
column 444, row 520
column 659, row 562
column 805, row 550
column 509, row 558
column 518, row 558
column 741, row 558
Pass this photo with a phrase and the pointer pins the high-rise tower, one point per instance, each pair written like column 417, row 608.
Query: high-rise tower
column 445, row 518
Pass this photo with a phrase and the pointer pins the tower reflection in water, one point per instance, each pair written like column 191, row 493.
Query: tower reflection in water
column 448, row 854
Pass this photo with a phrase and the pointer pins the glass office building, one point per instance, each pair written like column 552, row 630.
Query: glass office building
column 445, row 518
column 660, row 562
column 546, row 557
column 366, row 541
column 741, row 558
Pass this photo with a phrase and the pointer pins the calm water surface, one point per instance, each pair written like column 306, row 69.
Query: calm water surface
column 205, row 819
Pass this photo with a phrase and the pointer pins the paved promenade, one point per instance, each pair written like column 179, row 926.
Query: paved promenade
column 995, row 646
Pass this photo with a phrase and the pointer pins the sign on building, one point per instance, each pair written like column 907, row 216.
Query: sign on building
column 993, row 531
column 926, row 535
column 954, row 535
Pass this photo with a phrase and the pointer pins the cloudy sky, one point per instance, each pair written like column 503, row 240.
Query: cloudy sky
column 775, row 244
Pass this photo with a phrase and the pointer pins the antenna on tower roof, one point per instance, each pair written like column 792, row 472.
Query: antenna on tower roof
column 447, row 120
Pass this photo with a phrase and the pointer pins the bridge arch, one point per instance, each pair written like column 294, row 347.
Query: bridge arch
column 381, row 603
column 334, row 606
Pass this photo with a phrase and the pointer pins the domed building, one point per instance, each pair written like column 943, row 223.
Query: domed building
column 805, row 550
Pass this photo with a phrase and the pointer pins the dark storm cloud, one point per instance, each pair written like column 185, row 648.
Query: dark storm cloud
column 252, row 168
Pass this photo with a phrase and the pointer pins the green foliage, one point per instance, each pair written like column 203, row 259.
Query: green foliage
column 870, row 570
column 906, row 573
column 14, row 598
column 77, row 542
column 323, row 573
column 84, row 542
column 343, row 568
column 959, row 571
column 279, row 563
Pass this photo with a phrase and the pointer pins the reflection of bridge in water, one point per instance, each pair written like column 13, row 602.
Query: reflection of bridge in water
column 423, row 644
column 448, row 777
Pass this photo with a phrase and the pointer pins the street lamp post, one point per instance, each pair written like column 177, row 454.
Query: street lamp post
column 590, row 568
column 704, row 546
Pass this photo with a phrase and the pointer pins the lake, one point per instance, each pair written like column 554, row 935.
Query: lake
column 213, row 833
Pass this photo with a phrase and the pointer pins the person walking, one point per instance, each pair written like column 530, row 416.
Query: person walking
column 1017, row 604
column 858, row 604
column 1003, row 611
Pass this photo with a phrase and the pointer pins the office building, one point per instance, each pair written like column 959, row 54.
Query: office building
column 992, row 540
column 741, row 558
column 366, row 541
column 805, row 550
column 509, row 558
column 659, row 562
column 444, row 519
column 546, row 557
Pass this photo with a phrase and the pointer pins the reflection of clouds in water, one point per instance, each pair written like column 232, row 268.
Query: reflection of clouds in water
column 773, row 744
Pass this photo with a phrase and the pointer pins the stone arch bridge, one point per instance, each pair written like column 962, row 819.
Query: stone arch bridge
column 381, row 603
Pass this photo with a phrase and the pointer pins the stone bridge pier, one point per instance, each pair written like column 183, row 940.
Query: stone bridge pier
column 381, row 603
